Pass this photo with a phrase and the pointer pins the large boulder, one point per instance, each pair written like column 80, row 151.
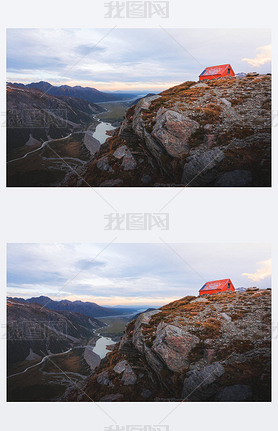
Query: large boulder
column 129, row 376
column 200, row 385
column 104, row 165
column 120, row 367
column 128, row 163
column 120, row 152
column 138, row 338
column 173, row 131
column 173, row 345
column 138, row 123
column 198, row 169
column 103, row 379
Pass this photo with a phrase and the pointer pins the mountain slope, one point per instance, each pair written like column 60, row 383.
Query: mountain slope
column 90, row 309
column 29, row 111
column 211, row 133
column 46, row 136
column 214, row 348
column 32, row 330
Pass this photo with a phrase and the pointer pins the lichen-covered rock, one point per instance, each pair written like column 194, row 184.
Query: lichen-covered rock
column 120, row 367
column 138, row 337
column 173, row 131
column 216, row 348
column 129, row 162
column 173, row 345
column 120, row 152
column 129, row 376
column 138, row 124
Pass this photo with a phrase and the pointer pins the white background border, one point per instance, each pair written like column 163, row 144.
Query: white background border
column 76, row 215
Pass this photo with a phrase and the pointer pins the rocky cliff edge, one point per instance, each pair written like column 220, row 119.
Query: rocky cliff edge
column 209, row 348
column 210, row 133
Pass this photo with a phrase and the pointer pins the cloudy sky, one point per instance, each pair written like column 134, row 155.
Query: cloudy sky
column 131, row 59
column 131, row 274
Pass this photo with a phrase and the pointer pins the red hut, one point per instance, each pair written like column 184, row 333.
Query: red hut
column 214, row 72
column 217, row 286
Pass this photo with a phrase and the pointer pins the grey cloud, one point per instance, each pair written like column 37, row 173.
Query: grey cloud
column 88, row 49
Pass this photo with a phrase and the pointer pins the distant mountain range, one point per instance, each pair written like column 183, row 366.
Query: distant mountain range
column 90, row 309
column 85, row 93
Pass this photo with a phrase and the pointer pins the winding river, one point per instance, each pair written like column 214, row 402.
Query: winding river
column 100, row 347
column 100, row 132
column 39, row 363
column 39, row 148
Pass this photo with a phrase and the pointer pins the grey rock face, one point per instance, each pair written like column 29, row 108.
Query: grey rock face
column 154, row 361
column 103, row 379
column 199, row 385
column 173, row 131
column 129, row 162
column 120, row 367
column 129, row 377
column 198, row 165
column 104, row 165
column 235, row 393
column 120, row 152
column 138, row 123
column 138, row 338
column 237, row 178
column 92, row 144
column 173, row 345
column 124, row 153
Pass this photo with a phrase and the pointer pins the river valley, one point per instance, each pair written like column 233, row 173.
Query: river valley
column 51, row 376
column 46, row 163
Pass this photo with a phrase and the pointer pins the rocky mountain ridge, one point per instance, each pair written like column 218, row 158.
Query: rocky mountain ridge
column 209, row 348
column 210, row 133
